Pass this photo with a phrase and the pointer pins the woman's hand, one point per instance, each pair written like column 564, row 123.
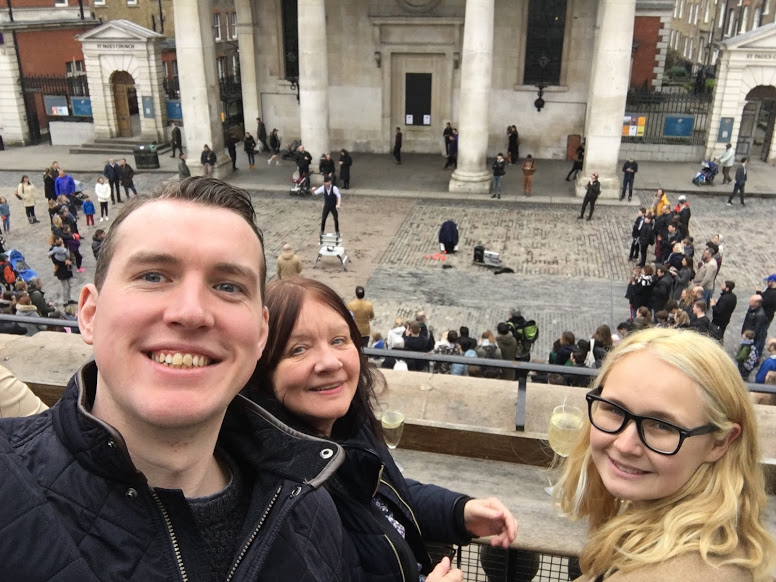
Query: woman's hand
column 489, row 517
column 443, row 573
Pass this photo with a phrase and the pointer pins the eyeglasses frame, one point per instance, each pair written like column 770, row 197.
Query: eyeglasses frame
column 684, row 433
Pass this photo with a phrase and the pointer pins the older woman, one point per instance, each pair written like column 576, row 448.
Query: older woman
column 314, row 375
column 667, row 469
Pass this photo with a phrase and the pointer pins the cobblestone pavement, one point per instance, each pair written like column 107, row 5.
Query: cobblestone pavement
column 568, row 274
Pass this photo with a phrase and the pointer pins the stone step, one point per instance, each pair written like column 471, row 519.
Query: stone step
column 112, row 148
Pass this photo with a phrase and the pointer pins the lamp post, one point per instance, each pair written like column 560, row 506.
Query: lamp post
column 543, row 61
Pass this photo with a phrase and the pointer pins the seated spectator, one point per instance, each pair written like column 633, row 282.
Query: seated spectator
column 378, row 342
column 395, row 340
column 577, row 360
column 746, row 356
column 448, row 346
column 508, row 346
column 414, row 342
column 681, row 320
column 643, row 318
column 16, row 399
column 662, row 319
column 38, row 297
column 467, row 343
column 25, row 308
column 624, row 329
column 701, row 323
column 602, row 338
column 769, row 364
column 556, row 379
column 488, row 348
column 566, row 346
column 10, row 327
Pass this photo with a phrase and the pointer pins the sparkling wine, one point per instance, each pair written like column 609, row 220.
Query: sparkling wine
column 393, row 426
column 565, row 423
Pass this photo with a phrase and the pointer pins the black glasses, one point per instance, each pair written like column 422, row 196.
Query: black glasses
column 657, row 435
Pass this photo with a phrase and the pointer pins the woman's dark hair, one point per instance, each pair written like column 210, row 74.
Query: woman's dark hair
column 603, row 336
column 567, row 338
column 284, row 300
column 23, row 177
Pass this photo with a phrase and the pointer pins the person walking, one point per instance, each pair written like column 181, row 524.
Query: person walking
column 274, row 147
column 738, row 187
column 592, row 192
column 26, row 192
column 175, row 139
column 261, row 134
column 629, row 170
column 499, row 169
column 249, row 145
column 529, row 167
column 452, row 151
column 397, row 140
column 726, row 160
column 183, row 168
column 579, row 160
column 208, row 160
column 231, row 148
column 345, row 161
column 127, row 178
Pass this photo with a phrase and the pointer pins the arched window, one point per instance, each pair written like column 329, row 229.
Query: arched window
column 290, row 38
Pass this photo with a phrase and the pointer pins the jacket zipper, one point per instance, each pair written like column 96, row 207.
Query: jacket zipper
column 173, row 538
column 396, row 555
column 407, row 505
column 253, row 535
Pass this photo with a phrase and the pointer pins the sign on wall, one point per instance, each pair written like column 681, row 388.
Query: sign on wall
column 678, row 126
column 725, row 129
column 82, row 107
column 56, row 105
column 148, row 107
column 633, row 125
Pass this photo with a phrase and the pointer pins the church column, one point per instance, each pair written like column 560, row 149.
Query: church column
column 472, row 174
column 313, row 77
column 12, row 111
column 609, row 81
column 200, row 93
column 247, row 33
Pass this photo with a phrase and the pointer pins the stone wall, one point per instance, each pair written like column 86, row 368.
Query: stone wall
column 70, row 133
column 656, row 152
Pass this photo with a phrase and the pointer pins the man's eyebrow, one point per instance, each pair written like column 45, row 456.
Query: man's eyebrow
column 237, row 270
column 153, row 258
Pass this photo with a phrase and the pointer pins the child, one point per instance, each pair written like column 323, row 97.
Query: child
column 5, row 214
column 63, row 271
column 747, row 355
column 88, row 209
column 97, row 239
column 7, row 273
column 73, row 243
column 103, row 192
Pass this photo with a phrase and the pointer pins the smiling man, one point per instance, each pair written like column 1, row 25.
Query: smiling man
column 152, row 467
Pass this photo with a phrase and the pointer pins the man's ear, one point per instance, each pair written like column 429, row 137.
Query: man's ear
column 87, row 308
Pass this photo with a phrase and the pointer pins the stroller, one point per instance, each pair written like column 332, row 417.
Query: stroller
column 707, row 174
column 300, row 186
column 16, row 258
column 290, row 152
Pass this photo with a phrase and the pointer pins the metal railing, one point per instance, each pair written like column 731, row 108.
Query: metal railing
column 72, row 86
column 659, row 106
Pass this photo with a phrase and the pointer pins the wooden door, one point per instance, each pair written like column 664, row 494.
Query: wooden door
column 747, row 128
column 122, row 110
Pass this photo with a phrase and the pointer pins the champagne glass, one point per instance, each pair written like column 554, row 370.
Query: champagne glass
column 565, row 422
column 392, row 422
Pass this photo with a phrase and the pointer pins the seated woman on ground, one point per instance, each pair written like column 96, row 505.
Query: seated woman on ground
column 566, row 345
column 314, row 376
column 667, row 467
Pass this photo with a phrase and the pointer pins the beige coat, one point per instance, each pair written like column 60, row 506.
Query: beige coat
column 688, row 567
column 27, row 192
column 363, row 313
column 16, row 399
column 289, row 265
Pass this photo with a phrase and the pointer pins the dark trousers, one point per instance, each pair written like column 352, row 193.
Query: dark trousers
column 364, row 341
column 114, row 185
column 397, row 154
column 644, row 249
column 726, row 174
column 737, row 189
column 251, row 158
column 126, row 191
column 634, row 250
column 452, row 160
column 176, row 146
column 326, row 210
column 264, row 146
column 30, row 212
column 588, row 200
column 103, row 209
column 627, row 182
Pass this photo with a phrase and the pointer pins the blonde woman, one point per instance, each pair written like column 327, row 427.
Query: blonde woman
column 666, row 469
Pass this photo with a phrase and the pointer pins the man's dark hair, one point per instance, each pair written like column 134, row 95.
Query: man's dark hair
column 579, row 356
column 197, row 190
column 360, row 292
column 730, row 285
column 452, row 336
column 502, row 328
column 744, row 160
column 712, row 247
column 701, row 304
column 464, row 331
column 414, row 328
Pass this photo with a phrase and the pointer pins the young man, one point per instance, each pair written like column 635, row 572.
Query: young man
column 331, row 203
column 499, row 170
column 176, row 140
column 152, row 467
column 738, row 187
column 629, row 169
column 592, row 192
column 363, row 312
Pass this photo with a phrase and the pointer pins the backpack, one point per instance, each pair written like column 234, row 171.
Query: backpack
column 715, row 332
column 445, row 350
column 490, row 372
column 526, row 335
column 751, row 362
column 8, row 274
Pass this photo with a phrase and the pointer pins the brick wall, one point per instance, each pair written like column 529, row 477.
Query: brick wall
column 645, row 32
column 37, row 56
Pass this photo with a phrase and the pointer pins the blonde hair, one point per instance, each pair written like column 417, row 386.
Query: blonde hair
column 718, row 512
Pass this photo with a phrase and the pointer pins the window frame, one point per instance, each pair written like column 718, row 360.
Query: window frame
column 131, row 2
column 217, row 27
column 61, row 3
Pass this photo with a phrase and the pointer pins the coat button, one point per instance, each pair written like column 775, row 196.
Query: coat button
column 111, row 443
column 131, row 493
column 296, row 492
column 327, row 454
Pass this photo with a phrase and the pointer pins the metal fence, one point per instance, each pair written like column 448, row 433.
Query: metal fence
column 667, row 116
column 74, row 86
column 483, row 563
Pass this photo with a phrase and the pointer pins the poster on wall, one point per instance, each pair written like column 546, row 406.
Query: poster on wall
column 678, row 126
column 633, row 125
column 56, row 105
column 408, row 119
column 82, row 107
column 725, row 129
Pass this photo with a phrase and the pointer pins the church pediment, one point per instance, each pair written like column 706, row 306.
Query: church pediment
column 119, row 30
column 760, row 39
